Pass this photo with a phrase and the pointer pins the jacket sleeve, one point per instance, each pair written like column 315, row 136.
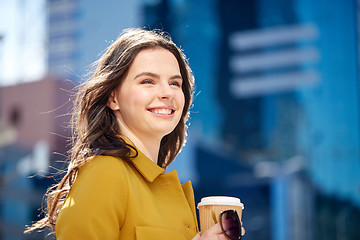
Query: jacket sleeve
column 96, row 204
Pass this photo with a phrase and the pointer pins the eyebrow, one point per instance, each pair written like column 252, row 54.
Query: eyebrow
column 154, row 75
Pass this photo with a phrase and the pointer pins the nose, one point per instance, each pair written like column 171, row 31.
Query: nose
column 166, row 92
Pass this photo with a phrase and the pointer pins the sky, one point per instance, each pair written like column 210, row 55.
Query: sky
column 23, row 42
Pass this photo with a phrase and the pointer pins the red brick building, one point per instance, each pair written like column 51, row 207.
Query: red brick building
column 37, row 111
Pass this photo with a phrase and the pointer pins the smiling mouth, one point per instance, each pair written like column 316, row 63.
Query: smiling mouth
column 162, row 111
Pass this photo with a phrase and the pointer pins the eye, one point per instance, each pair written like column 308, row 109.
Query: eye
column 147, row 81
column 176, row 83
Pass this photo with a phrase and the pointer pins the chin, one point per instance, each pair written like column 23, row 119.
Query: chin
column 165, row 133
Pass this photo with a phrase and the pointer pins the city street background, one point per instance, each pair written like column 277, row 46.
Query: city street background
column 275, row 119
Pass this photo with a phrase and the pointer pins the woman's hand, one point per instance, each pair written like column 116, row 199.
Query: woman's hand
column 214, row 233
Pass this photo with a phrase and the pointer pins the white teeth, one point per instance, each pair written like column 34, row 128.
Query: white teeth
column 162, row 111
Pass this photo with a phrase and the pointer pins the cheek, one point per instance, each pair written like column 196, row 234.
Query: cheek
column 133, row 98
column 180, row 99
column 141, row 98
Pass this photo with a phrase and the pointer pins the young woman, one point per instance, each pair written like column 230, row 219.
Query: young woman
column 129, row 123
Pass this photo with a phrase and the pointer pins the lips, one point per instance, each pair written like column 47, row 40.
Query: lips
column 167, row 111
column 162, row 111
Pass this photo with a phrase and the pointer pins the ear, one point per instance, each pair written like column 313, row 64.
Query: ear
column 112, row 101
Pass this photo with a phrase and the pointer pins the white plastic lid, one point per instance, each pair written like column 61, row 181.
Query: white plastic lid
column 220, row 200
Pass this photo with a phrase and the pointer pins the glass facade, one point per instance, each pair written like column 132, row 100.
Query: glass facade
column 276, row 109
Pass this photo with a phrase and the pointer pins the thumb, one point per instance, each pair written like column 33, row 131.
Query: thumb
column 197, row 237
column 214, row 232
column 214, row 229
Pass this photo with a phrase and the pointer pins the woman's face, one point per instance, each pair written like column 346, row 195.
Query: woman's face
column 150, row 100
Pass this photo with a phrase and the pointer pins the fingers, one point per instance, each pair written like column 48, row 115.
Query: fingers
column 242, row 229
column 214, row 233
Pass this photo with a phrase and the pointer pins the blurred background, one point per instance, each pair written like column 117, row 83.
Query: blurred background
column 275, row 119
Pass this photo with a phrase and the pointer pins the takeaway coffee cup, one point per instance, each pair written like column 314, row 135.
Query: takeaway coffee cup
column 217, row 204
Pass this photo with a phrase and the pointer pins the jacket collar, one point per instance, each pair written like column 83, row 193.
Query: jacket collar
column 147, row 168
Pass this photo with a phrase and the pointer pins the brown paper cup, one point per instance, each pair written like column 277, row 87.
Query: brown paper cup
column 217, row 204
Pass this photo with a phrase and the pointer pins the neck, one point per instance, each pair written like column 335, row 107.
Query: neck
column 149, row 146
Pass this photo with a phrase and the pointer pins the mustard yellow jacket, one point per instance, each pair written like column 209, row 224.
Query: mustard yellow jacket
column 115, row 199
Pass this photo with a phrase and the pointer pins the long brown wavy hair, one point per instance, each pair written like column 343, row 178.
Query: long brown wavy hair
column 94, row 126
